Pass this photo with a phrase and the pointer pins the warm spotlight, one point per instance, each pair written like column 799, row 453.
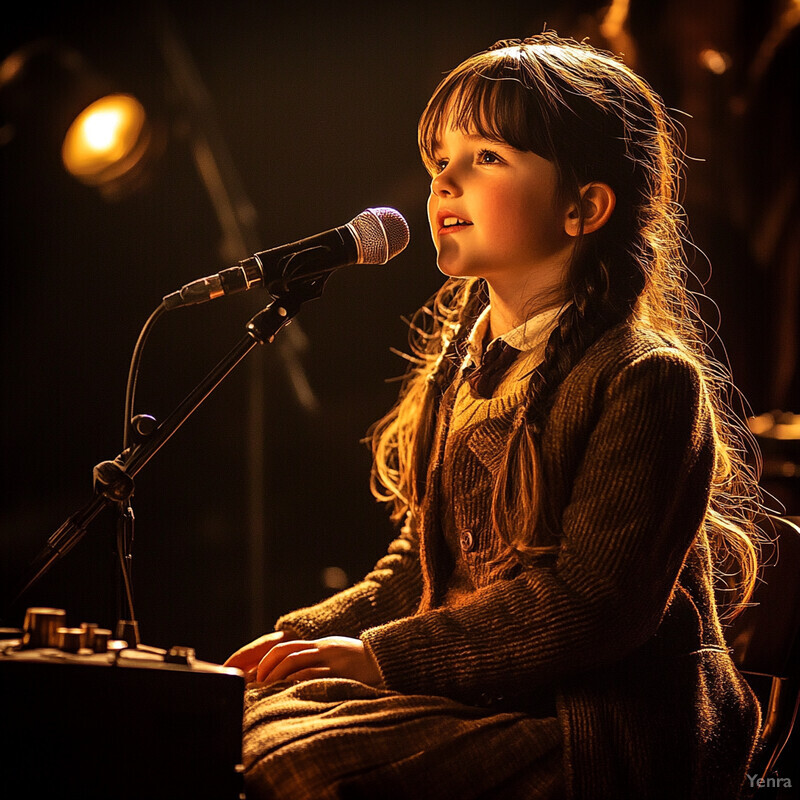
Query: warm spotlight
column 714, row 61
column 48, row 92
column 106, row 140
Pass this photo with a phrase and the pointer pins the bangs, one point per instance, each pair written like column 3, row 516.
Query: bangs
column 487, row 96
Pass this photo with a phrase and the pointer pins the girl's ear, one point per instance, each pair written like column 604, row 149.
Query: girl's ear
column 597, row 202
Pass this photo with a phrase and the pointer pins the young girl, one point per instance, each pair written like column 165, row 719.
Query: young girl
column 569, row 482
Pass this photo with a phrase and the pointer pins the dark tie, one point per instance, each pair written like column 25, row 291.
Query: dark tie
column 496, row 360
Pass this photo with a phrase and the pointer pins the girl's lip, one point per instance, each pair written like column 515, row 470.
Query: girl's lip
column 446, row 214
column 452, row 229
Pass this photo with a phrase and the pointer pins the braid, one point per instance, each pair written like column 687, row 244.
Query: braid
column 402, row 439
column 595, row 309
column 521, row 515
column 440, row 376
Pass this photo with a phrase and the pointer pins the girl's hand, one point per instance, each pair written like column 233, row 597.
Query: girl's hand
column 331, row 657
column 248, row 657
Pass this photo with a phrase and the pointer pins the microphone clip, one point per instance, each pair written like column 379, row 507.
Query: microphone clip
column 112, row 481
column 298, row 268
column 265, row 325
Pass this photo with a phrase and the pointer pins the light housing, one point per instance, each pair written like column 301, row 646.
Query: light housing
column 105, row 138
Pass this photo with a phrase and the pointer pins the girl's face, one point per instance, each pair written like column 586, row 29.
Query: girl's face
column 494, row 213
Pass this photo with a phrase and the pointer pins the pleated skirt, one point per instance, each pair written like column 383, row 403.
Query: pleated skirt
column 336, row 739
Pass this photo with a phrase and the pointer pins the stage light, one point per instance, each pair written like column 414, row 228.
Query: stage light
column 107, row 140
column 714, row 61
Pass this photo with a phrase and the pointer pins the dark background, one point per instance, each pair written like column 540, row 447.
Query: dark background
column 317, row 107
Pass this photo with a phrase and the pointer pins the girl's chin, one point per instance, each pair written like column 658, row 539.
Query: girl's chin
column 454, row 269
column 449, row 273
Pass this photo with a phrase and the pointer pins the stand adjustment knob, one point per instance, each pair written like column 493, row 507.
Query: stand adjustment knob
column 143, row 425
column 41, row 627
column 180, row 655
column 87, row 640
column 100, row 640
column 69, row 639
column 128, row 629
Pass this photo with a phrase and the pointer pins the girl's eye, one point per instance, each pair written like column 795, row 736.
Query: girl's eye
column 488, row 157
column 440, row 164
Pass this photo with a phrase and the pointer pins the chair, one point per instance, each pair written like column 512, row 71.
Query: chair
column 766, row 650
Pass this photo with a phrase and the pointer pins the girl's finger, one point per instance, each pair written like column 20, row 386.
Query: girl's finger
column 309, row 674
column 278, row 652
column 250, row 674
column 246, row 658
column 281, row 653
column 294, row 662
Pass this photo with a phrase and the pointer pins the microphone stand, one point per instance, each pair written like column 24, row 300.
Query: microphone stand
column 113, row 480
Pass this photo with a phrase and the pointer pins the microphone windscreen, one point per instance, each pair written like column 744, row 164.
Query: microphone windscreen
column 381, row 233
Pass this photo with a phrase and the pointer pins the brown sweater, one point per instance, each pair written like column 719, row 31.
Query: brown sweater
column 620, row 627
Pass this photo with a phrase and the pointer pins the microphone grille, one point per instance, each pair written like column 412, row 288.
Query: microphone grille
column 381, row 233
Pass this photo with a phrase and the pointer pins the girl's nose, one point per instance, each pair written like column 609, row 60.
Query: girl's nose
column 444, row 184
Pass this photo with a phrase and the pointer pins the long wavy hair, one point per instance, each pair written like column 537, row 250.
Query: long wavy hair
column 595, row 120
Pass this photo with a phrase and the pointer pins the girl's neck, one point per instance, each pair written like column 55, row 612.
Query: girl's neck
column 510, row 309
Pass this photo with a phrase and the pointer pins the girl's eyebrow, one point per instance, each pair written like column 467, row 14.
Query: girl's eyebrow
column 477, row 137
column 472, row 137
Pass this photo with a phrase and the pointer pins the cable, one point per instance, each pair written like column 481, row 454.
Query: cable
column 133, row 374
column 125, row 520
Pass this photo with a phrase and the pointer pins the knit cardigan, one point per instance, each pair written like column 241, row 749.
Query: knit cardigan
column 620, row 626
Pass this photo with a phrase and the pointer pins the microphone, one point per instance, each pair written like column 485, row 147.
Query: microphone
column 373, row 237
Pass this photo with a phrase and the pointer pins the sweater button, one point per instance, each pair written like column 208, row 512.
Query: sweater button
column 467, row 541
